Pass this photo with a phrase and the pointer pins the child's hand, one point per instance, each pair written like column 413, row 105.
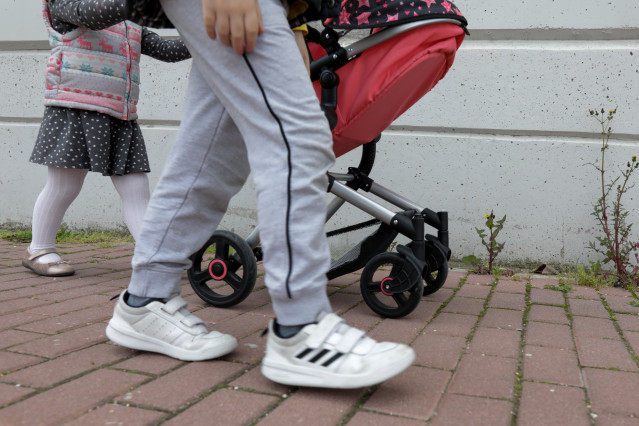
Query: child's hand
column 237, row 23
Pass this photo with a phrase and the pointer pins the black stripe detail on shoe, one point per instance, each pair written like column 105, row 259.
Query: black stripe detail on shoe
column 303, row 353
column 332, row 359
column 319, row 355
column 289, row 178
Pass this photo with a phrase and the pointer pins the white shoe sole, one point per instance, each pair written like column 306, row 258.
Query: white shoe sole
column 129, row 338
column 294, row 375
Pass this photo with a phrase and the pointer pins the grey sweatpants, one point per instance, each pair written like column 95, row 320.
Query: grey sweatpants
column 257, row 114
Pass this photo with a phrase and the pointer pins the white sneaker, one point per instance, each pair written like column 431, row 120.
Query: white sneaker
column 330, row 354
column 167, row 328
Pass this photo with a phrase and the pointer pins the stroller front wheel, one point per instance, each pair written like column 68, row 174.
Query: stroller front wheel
column 379, row 290
column 223, row 272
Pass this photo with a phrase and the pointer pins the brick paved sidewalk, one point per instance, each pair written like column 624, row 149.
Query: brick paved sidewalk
column 512, row 352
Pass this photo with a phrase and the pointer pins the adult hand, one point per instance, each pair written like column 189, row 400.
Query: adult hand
column 236, row 23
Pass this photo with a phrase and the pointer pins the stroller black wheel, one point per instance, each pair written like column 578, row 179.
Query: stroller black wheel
column 436, row 270
column 224, row 270
column 380, row 271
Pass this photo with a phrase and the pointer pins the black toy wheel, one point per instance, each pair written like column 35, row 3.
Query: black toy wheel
column 224, row 270
column 435, row 271
column 377, row 275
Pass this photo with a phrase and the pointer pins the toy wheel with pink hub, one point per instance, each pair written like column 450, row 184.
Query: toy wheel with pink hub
column 224, row 270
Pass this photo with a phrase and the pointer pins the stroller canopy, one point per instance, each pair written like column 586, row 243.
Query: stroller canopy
column 359, row 14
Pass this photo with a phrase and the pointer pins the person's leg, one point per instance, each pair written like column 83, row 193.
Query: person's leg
column 271, row 99
column 62, row 187
column 200, row 177
column 134, row 193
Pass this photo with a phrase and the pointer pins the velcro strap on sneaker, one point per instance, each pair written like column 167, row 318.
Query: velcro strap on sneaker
column 323, row 329
column 192, row 320
column 174, row 305
column 349, row 340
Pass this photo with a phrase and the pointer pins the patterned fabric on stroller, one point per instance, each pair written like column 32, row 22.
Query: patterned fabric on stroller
column 363, row 87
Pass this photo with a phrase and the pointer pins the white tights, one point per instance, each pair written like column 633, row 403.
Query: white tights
column 63, row 186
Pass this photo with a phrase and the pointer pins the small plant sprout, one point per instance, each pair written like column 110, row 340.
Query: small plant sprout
column 615, row 244
column 489, row 240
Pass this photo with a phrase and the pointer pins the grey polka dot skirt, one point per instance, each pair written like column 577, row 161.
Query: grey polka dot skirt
column 79, row 139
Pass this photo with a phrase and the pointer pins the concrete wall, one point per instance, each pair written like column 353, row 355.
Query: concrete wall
column 508, row 129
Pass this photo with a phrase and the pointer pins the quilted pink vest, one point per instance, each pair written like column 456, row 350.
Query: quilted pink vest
column 94, row 70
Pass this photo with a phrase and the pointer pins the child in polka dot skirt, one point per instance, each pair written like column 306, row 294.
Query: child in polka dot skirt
column 89, row 123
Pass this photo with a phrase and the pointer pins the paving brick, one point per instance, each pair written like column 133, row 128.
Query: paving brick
column 616, row 420
column 453, row 278
column 541, row 281
column 113, row 414
column 440, row 295
column 12, row 361
column 250, row 349
column 588, row 308
column 622, row 304
column 471, row 410
column 486, row 376
column 17, row 318
column 480, row 291
column 633, row 341
column 77, row 292
column 510, row 286
column 547, row 314
column 365, row 418
column 250, row 406
column 345, row 280
column 628, row 322
column 581, row 292
column 52, row 325
column 362, row 317
column 494, row 341
column 51, row 372
column 180, row 386
column 70, row 305
column 507, row 301
column 314, row 406
column 594, row 327
column 243, row 325
column 342, row 302
column 18, row 305
column 397, row 330
column 452, row 324
column 479, row 279
column 14, row 337
column 254, row 380
column 438, row 351
column 562, row 405
column 547, row 297
column 406, row 395
column 148, row 362
column 62, row 343
column 71, row 399
column 502, row 318
column 465, row 305
column 604, row 353
column 551, row 365
column 612, row 391
column 11, row 393
column 548, row 334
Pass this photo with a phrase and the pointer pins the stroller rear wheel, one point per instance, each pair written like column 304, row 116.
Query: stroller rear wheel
column 436, row 269
column 224, row 270
column 380, row 289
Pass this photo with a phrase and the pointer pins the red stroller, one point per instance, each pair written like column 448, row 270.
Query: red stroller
column 363, row 88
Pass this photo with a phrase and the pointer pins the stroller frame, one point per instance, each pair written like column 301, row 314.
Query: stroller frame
column 425, row 257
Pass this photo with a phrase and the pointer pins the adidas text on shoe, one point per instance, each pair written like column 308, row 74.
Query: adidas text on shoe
column 330, row 354
column 167, row 328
